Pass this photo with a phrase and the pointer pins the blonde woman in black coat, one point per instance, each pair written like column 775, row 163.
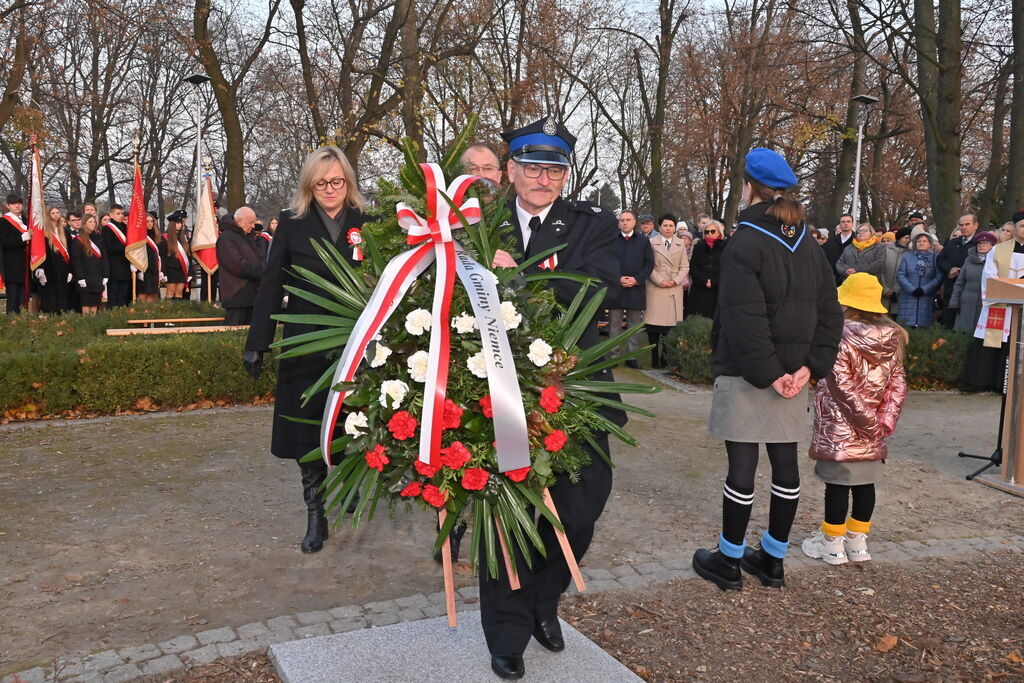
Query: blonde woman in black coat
column 326, row 205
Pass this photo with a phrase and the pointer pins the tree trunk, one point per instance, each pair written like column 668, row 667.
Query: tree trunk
column 1014, row 198
column 21, row 49
column 312, row 99
column 412, row 74
column 988, row 198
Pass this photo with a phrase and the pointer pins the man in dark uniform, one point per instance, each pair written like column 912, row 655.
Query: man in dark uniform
column 541, row 219
column 14, row 239
column 119, row 287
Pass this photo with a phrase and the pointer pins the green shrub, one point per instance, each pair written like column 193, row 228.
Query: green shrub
column 935, row 356
column 63, row 363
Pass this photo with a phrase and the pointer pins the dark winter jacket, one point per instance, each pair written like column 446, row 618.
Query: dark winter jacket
column 241, row 265
column 966, row 296
column 636, row 259
column 777, row 305
column 706, row 264
column 918, row 269
column 953, row 254
column 13, row 252
column 834, row 248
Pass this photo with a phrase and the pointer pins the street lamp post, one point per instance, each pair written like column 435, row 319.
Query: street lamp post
column 196, row 80
column 865, row 101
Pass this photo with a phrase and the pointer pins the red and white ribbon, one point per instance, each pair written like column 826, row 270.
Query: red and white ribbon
column 117, row 232
column 355, row 240
column 432, row 241
column 159, row 261
column 550, row 263
column 16, row 221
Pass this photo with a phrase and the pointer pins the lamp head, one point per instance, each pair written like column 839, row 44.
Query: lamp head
column 866, row 100
column 196, row 79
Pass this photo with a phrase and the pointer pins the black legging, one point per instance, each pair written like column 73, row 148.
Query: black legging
column 838, row 496
column 739, row 492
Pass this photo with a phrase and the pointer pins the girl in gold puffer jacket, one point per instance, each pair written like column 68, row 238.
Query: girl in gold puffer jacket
column 855, row 410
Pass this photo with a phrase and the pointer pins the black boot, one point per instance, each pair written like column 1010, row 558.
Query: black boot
column 721, row 570
column 765, row 567
column 313, row 475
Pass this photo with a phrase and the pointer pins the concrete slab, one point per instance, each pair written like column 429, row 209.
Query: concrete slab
column 403, row 652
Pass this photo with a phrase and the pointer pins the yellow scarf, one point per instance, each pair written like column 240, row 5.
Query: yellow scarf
column 866, row 243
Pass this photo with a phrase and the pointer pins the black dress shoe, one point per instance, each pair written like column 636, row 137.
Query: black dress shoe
column 719, row 569
column 765, row 567
column 548, row 633
column 508, row 666
column 634, row 363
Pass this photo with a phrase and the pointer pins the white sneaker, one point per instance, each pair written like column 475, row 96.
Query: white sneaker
column 857, row 547
column 823, row 547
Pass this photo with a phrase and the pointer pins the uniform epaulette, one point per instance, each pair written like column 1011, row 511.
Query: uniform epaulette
column 584, row 206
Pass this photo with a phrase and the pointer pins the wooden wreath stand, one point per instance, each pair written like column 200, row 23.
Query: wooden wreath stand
column 513, row 576
column 1010, row 477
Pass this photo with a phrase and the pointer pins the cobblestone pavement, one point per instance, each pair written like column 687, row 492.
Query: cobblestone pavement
column 203, row 647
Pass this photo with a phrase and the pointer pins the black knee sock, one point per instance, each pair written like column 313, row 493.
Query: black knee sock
column 785, row 491
column 736, row 504
column 863, row 502
column 837, row 499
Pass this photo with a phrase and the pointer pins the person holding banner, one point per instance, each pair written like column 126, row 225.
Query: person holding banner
column 119, row 287
column 89, row 266
column 14, row 239
column 326, row 206
column 541, row 219
column 149, row 282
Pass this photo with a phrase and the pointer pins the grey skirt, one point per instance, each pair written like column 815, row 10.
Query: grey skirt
column 849, row 473
column 742, row 412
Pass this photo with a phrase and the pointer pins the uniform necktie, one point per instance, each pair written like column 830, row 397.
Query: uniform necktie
column 534, row 225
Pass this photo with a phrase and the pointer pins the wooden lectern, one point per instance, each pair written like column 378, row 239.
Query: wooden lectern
column 1011, row 470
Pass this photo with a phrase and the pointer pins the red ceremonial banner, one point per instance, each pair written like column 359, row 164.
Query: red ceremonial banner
column 135, row 247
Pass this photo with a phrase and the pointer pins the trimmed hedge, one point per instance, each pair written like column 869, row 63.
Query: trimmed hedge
column 53, row 364
column 935, row 356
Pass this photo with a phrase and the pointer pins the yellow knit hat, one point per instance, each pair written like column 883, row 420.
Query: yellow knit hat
column 862, row 291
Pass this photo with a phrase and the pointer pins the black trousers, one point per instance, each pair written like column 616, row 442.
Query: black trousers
column 15, row 296
column 119, row 293
column 508, row 616
column 238, row 316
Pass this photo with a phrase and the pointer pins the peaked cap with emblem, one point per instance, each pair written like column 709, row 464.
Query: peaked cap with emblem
column 545, row 141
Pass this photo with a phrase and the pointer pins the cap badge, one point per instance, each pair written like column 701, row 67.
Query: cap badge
column 549, row 126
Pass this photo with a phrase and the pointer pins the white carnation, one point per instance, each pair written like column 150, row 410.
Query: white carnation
column 510, row 315
column 464, row 323
column 380, row 355
column 540, row 353
column 477, row 364
column 395, row 389
column 418, row 363
column 355, row 424
column 418, row 321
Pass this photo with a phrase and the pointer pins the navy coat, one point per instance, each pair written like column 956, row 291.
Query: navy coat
column 636, row 259
column 918, row 269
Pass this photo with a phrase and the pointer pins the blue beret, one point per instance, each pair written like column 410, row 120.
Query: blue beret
column 769, row 168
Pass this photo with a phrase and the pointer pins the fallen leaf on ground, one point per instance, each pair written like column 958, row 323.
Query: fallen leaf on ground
column 886, row 643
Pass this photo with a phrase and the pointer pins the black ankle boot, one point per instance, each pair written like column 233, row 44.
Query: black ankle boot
column 313, row 475
column 721, row 570
column 765, row 567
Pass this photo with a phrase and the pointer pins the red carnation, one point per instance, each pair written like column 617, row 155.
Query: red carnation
column 376, row 458
column 474, row 479
column 485, row 404
column 433, row 495
column 550, row 401
column 555, row 440
column 455, row 456
column 518, row 475
column 412, row 490
column 402, row 425
column 452, row 416
column 426, row 469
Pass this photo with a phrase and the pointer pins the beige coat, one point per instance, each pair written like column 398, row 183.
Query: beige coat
column 665, row 304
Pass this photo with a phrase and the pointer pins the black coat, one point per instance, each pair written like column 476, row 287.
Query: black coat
column 150, row 282
column 834, row 248
column 953, row 254
column 172, row 266
column 89, row 267
column 241, row 265
column 777, row 308
column 705, row 264
column 13, row 250
column 636, row 259
column 53, row 296
column 120, row 268
column 292, row 246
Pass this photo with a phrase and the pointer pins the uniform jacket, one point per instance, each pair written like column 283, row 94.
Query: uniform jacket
column 967, row 292
column 869, row 260
column 241, row 265
column 293, row 246
column 705, row 265
column 120, row 268
column 89, row 267
column 636, row 259
column 13, row 250
column 777, row 305
column 57, row 269
column 150, row 282
column 857, row 405
column 665, row 304
column 172, row 266
column 918, row 269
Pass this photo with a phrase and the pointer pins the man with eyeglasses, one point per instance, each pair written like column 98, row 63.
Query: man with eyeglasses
column 480, row 159
column 541, row 220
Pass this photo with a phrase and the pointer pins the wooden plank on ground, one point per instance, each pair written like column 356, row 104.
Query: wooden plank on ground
column 162, row 321
column 134, row 331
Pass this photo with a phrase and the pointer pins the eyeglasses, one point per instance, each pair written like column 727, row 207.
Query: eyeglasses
column 336, row 183
column 481, row 170
column 534, row 171
column 710, row 232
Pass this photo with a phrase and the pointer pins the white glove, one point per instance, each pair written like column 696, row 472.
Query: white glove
column 41, row 276
column 133, row 268
column 163, row 278
column 105, row 281
column 70, row 278
column 142, row 275
column 26, row 236
column 81, row 283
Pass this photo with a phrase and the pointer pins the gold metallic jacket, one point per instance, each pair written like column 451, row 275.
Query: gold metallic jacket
column 856, row 406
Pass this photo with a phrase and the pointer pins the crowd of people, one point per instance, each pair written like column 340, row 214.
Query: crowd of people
column 87, row 267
